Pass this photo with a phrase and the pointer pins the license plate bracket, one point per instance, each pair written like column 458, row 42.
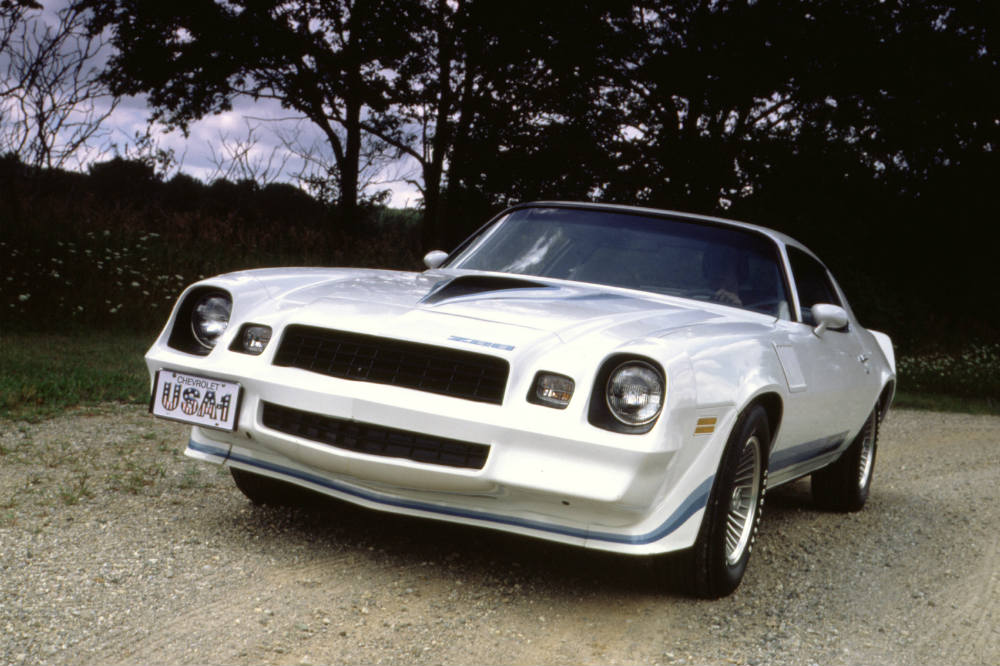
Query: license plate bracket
column 196, row 399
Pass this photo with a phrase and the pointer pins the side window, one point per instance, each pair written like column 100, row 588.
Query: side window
column 811, row 283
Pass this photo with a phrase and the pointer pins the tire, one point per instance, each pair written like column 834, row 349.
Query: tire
column 715, row 565
column 261, row 489
column 844, row 485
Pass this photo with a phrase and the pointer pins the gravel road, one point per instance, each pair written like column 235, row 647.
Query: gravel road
column 114, row 548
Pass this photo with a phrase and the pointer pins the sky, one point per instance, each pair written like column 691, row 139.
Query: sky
column 209, row 143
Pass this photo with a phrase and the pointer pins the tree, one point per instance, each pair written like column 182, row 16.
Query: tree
column 890, row 172
column 500, row 100
column 13, row 14
column 416, row 78
column 702, row 85
column 53, row 104
column 328, row 61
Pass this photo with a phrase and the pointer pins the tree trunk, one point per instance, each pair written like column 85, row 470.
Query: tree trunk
column 433, row 170
column 349, row 167
column 459, row 155
column 431, row 232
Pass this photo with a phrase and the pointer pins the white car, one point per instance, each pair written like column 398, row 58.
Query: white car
column 617, row 378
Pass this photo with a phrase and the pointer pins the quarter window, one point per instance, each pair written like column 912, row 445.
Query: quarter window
column 812, row 283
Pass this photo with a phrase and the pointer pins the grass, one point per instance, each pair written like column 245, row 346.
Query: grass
column 77, row 490
column 41, row 375
column 940, row 402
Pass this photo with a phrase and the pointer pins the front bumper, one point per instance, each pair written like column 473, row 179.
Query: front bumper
column 548, row 473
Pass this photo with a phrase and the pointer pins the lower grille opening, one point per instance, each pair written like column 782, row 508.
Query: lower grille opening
column 374, row 439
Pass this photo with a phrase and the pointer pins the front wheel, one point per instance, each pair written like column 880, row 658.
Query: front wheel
column 715, row 565
column 844, row 485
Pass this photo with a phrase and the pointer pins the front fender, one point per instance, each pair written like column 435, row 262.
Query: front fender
column 722, row 380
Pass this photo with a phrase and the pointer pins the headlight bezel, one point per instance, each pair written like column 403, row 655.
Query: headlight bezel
column 643, row 372
column 600, row 412
column 182, row 334
column 210, row 306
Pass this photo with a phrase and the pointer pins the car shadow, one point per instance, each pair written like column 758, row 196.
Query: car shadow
column 788, row 543
column 458, row 551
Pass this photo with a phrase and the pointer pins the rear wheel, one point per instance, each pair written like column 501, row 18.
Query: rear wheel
column 715, row 565
column 261, row 489
column 844, row 485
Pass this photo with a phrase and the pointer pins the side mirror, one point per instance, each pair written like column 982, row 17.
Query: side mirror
column 434, row 258
column 828, row 317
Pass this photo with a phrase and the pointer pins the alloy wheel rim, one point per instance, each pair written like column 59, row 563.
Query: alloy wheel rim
column 744, row 501
column 867, row 457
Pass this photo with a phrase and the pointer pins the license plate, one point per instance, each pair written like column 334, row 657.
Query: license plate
column 203, row 401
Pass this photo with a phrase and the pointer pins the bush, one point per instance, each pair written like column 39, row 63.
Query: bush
column 973, row 372
column 80, row 253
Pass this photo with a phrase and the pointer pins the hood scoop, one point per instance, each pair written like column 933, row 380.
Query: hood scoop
column 471, row 285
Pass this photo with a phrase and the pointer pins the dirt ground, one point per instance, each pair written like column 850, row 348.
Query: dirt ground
column 114, row 548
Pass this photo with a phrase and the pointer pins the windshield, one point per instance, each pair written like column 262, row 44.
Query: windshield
column 665, row 256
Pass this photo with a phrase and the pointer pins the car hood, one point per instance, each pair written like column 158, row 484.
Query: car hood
column 486, row 309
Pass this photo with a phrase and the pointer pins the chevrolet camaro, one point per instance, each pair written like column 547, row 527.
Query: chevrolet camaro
column 613, row 377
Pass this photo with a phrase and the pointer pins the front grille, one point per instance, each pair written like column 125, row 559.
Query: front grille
column 368, row 358
column 374, row 439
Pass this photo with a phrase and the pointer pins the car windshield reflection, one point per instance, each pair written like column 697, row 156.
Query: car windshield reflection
column 706, row 262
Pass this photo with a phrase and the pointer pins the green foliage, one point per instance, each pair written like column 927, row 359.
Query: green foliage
column 83, row 253
column 940, row 402
column 972, row 373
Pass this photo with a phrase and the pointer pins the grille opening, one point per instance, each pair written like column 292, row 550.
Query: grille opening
column 368, row 358
column 374, row 439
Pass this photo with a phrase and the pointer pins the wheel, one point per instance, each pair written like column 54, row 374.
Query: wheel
column 261, row 489
column 715, row 565
column 844, row 485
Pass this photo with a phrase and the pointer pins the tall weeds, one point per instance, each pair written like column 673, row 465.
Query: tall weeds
column 79, row 254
